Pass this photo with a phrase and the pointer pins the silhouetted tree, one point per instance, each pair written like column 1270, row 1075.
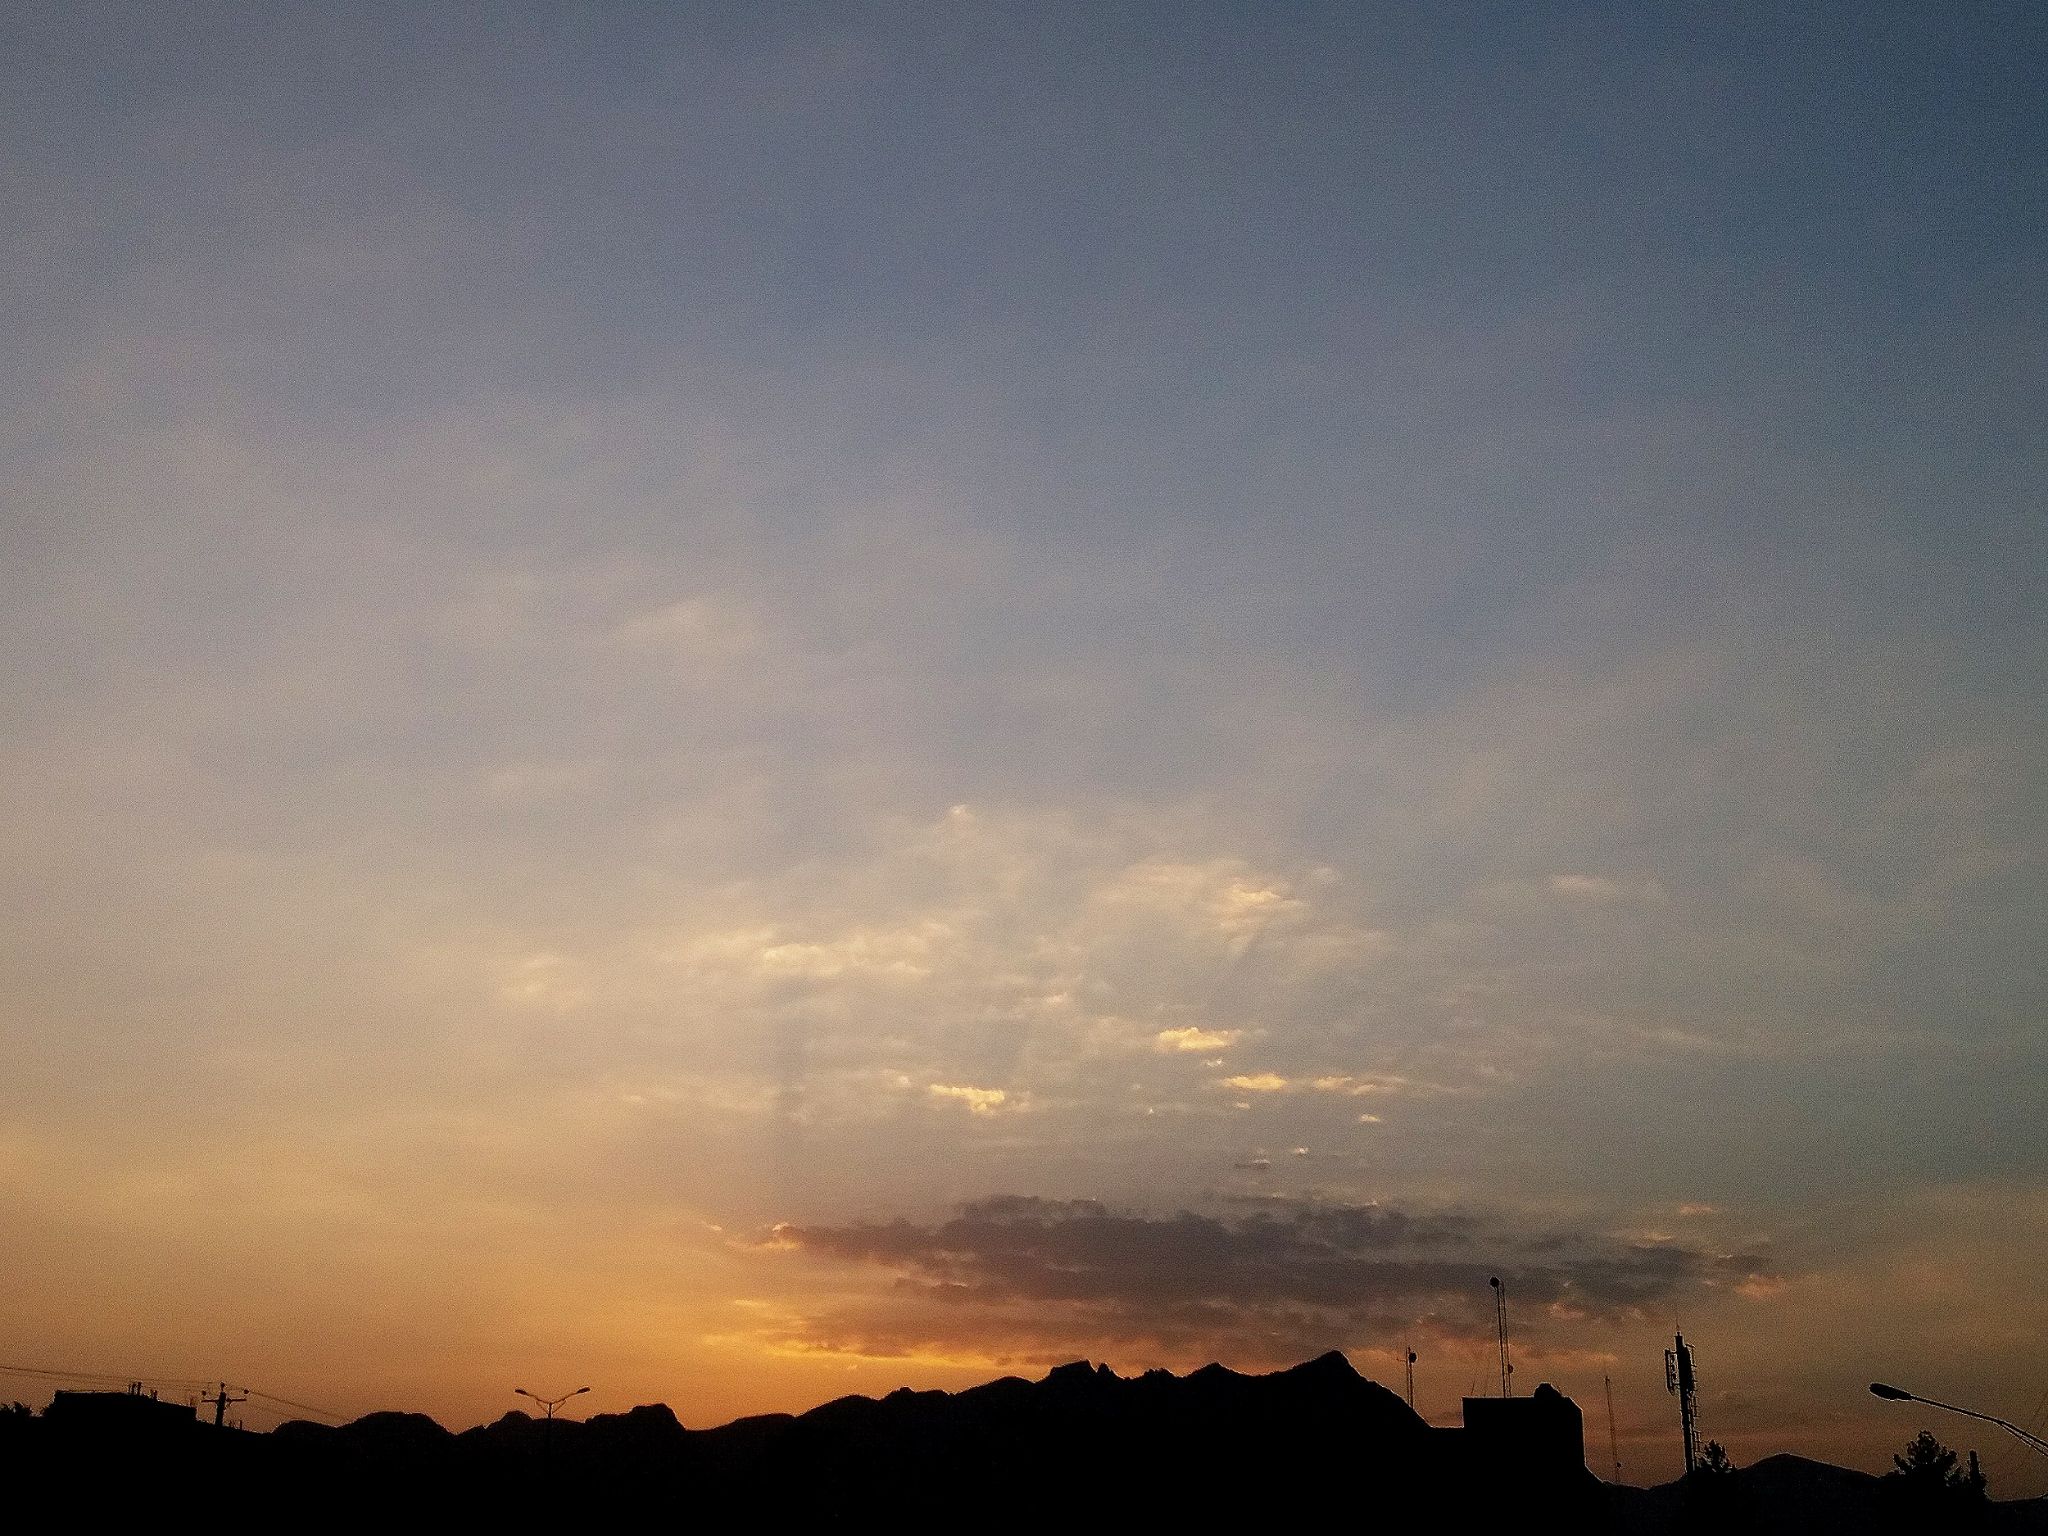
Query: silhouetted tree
column 1715, row 1499
column 1927, row 1463
column 1974, row 1482
column 1714, row 1461
column 1928, row 1474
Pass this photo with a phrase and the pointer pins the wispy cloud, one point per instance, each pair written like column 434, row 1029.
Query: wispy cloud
column 1606, row 888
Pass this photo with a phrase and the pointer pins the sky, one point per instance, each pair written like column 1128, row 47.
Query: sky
column 746, row 704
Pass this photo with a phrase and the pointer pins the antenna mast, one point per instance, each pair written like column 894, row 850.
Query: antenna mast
column 1613, row 1444
column 1500, row 1320
column 1680, row 1382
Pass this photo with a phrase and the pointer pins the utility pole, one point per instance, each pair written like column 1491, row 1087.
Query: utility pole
column 1500, row 1319
column 220, row 1401
column 1613, row 1444
column 1411, row 1378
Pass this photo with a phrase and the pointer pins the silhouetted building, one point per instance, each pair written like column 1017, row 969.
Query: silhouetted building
column 118, row 1412
column 1535, row 1443
column 1546, row 1427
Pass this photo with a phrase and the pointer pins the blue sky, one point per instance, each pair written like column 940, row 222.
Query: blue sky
column 849, row 612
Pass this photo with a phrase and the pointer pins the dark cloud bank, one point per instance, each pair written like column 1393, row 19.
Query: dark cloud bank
column 1018, row 1271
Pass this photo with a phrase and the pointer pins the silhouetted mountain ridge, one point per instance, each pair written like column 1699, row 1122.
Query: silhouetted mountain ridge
column 1081, row 1445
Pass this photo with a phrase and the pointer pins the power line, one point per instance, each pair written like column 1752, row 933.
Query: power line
column 55, row 1375
column 2006, row 1458
column 187, row 1383
column 272, row 1397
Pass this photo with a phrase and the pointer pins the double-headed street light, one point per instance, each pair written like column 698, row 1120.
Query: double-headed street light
column 1901, row 1395
column 549, row 1404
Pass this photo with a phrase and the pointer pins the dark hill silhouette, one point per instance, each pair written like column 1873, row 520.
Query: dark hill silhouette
column 1314, row 1445
column 1792, row 1496
column 1082, row 1433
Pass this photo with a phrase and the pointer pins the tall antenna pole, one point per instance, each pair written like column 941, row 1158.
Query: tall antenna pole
column 1679, row 1381
column 1613, row 1444
column 1411, row 1378
column 1500, row 1320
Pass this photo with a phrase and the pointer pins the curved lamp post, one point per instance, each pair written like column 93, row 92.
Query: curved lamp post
column 549, row 1404
column 1901, row 1395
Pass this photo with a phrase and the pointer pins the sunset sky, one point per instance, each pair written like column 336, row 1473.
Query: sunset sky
column 751, row 702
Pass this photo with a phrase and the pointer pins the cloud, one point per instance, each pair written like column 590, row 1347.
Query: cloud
column 1606, row 888
column 1258, row 1082
column 1192, row 1038
column 545, row 981
column 1029, row 1273
column 712, row 632
column 980, row 1101
column 1344, row 1083
column 1221, row 896
column 1360, row 1085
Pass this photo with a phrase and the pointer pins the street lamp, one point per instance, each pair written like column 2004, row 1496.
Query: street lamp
column 549, row 1404
column 1901, row 1395
column 548, row 1407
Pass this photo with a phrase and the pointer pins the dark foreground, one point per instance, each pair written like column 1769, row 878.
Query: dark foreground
column 1316, row 1446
